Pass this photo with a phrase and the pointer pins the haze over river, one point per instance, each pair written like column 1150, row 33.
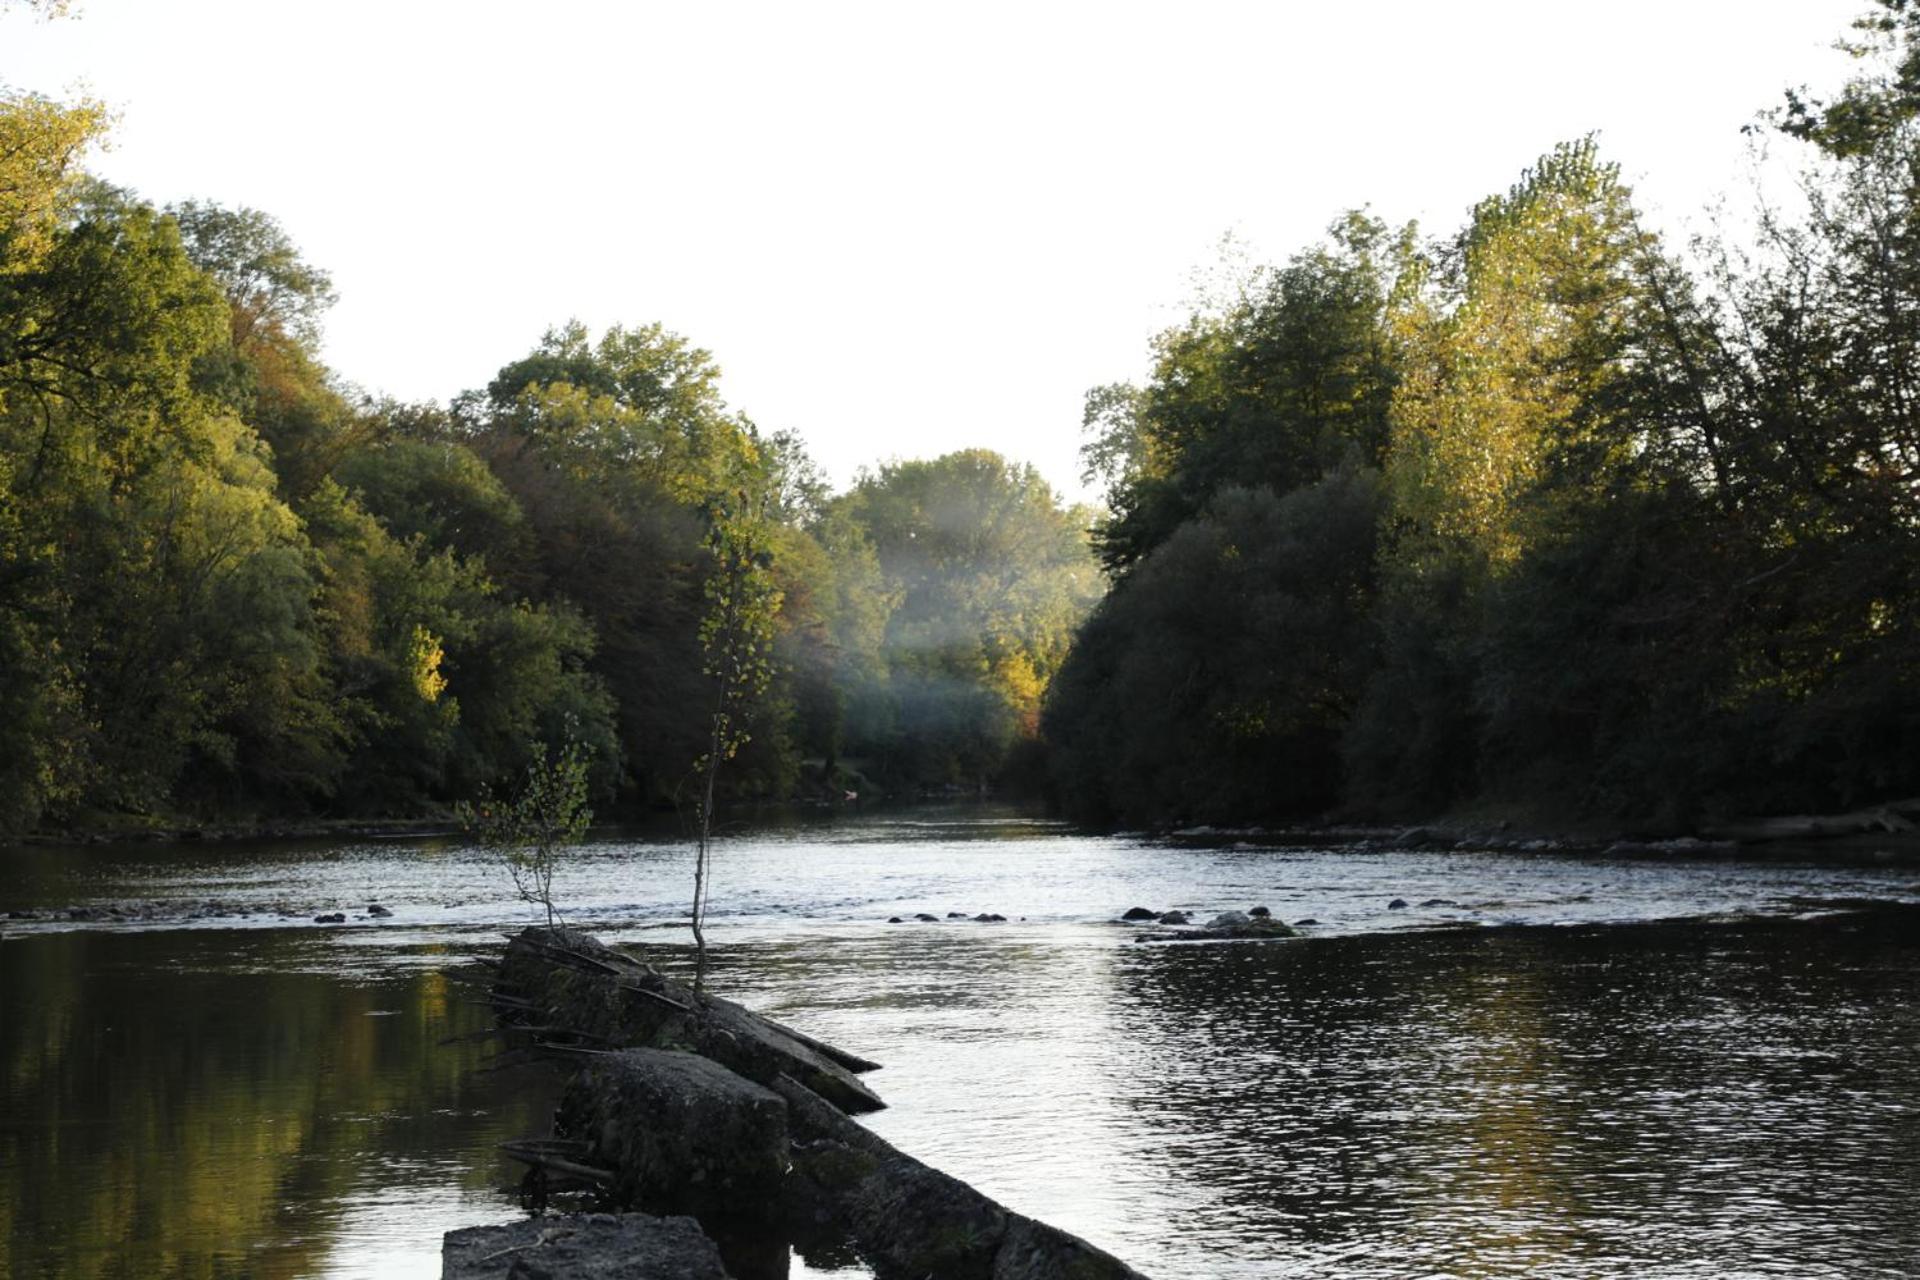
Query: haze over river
column 1660, row 1068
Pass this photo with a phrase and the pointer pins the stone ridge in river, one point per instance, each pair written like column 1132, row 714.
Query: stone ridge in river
column 591, row 1246
column 680, row 1133
column 570, row 979
column 911, row 1220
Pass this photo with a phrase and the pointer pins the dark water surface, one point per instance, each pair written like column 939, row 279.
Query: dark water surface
column 1582, row 1085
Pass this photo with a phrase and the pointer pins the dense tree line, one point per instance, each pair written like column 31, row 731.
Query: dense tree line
column 233, row 587
column 1542, row 513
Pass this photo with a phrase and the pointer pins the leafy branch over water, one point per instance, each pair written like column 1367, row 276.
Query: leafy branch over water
column 530, row 829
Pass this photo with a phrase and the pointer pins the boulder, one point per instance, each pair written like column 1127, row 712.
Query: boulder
column 1261, row 913
column 678, row 1133
column 1137, row 913
column 588, row 1246
column 1229, row 920
column 1176, row 917
column 1398, row 904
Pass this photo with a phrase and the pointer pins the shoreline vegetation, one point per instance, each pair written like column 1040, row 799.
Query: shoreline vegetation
column 1544, row 514
column 1883, row 832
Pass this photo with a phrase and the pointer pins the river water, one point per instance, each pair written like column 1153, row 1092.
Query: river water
column 1572, row 1066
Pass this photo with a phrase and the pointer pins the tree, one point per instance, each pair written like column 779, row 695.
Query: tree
column 991, row 576
column 1215, row 682
column 530, row 829
column 736, row 635
column 1287, row 381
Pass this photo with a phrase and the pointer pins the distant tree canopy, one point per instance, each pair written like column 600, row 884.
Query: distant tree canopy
column 988, row 577
column 1541, row 512
column 1533, row 514
column 232, row 588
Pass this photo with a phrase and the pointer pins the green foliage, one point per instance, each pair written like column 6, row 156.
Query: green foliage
column 1215, row 682
column 1536, row 512
column 531, row 828
column 271, row 290
column 1290, row 381
column 988, row 576
column 443, row 493
column 1648, row 541
column 736, row 640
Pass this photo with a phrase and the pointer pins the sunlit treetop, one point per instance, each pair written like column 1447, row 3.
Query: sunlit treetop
column 41, row 142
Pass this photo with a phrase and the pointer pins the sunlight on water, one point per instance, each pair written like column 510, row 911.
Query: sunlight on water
column 1620, row 1096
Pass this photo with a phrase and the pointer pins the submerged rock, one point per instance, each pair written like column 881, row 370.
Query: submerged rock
column 1244, row 929
column 588, row 1246
column 1261, row 913
column 376, row 910
column 331, row 917
column 1398, row 904
column 1229, row 920
column 1176, row 917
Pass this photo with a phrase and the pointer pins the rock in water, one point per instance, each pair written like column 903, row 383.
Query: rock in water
column 1229, row 920
column 571, row 979
column 1137, row 913
column 912, row 1221
column 591, row 1246
column 681, row 1134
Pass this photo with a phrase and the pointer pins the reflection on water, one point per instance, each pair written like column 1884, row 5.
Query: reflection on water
column 1674, row 1100
column 1621, row 1100
column 182, row 1104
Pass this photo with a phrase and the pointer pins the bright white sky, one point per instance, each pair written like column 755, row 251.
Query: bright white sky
column 902, row 228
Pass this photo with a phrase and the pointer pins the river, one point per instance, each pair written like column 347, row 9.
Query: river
column 1544, row 1064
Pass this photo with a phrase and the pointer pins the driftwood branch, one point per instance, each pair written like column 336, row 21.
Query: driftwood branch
column 527, row 1153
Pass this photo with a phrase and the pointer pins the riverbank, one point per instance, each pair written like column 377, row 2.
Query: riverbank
column 1792, row 839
